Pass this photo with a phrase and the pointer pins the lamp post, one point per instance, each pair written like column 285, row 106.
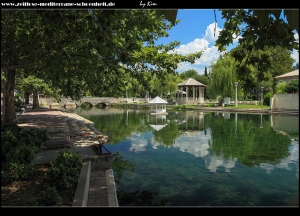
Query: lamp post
column 262, row 99
column 126, row 96
column 236, row 84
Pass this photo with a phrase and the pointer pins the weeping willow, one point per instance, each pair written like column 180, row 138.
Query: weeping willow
column 222, row 78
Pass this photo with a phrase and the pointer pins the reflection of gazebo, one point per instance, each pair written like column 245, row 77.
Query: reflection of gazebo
column 157, row 122
column 159, row 105
column 190, row 92
column 157, row 127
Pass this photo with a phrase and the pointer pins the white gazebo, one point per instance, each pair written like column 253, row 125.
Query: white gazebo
column 158, row 106
column 190, row 92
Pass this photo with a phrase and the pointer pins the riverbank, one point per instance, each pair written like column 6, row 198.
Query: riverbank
column 251, row 109
column 96, row 186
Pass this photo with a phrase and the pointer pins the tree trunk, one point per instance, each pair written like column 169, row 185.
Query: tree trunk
column 35, row 102
column 9, row 113
column 27, row 98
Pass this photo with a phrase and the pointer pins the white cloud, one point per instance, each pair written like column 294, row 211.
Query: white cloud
column 295, row 55
column 211, row 53
column 296, row 36
column 212, row 33
column 195, row 46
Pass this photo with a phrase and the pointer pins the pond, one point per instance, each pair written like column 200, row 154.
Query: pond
column 194, row 158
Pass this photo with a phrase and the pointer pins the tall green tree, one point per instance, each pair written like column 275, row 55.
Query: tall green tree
column 205, row 71
column 252, row 75
column 80, row 50
column 172, row 84
column 190, row 74
column 36, row 85
column 222, row 78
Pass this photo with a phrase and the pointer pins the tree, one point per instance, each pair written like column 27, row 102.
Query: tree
column 252, row 71
column 204, row 80
column 36, row 85
column 80, row 50
column 280, row 87
column 157, row 86
column 189, row 74
column 264, row 27
column 292, row 87
column 172, row 84
column 205, row 71
column 222, row 78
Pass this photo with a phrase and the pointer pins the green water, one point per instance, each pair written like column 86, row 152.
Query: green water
column 200, row 158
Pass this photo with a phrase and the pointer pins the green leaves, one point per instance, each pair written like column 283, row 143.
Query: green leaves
column 262, row 16
column 78, row 50
column 170, row 15
column 293, row 18
column 263, row 28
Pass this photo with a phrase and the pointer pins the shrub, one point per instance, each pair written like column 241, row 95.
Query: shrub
column 267, row 98
column 11, row 127
column 10, row 134
column 18, row 172
column 22, row 154
column 49, row 197
column 65, row 170
column 34, row 136
column 292, row 87
column 179, row 107
column 20, row 146
column 280, row 87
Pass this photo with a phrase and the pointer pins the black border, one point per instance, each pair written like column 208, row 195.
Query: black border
column 142, row 4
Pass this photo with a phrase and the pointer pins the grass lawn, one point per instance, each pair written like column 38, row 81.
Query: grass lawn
column 240, row 106
column 249, row 106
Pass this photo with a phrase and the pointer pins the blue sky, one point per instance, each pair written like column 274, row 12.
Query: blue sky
column 196, row 31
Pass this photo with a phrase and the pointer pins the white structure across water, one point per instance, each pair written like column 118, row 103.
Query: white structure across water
column 158, row 106
column 190, row 92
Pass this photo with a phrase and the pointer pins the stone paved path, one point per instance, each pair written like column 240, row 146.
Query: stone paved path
column 54, row 119
column 98, row 193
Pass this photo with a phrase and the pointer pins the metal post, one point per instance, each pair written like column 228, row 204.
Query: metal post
column 236, row 83
column 262, row 99
column 126, row 96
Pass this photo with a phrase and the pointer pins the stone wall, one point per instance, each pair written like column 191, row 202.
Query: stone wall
column 285, row 102
column 92, row 100
column 289, row 124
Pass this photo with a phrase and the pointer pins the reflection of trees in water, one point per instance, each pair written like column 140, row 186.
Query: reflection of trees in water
column 119, row 126
column 167, row 135
column 140, row 198
column 120, row 166
column 252, row 144
column 85, row 105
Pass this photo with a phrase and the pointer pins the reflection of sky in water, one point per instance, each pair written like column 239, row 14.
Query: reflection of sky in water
column 196, row 143
column 138, row 143
column 284, row 164
column 213, row 162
